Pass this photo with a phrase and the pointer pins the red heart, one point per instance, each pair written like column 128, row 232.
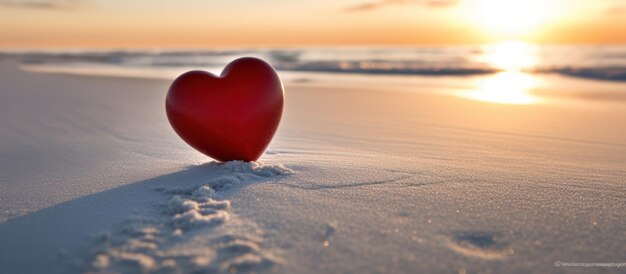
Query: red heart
column 229, row 117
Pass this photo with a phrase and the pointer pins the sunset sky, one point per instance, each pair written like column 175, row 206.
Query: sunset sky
column 202, row 23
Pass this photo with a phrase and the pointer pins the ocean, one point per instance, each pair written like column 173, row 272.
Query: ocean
column 530, row 73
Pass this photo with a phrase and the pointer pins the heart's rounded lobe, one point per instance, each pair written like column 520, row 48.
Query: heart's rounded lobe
column 228, row 117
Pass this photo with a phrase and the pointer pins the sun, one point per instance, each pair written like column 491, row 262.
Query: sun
column 509, row 17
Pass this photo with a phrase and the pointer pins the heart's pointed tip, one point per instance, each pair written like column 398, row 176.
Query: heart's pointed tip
column 240, row 160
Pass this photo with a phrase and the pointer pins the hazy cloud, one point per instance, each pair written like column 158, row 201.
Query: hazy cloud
column 617, row 10
column 382, row 3
column 40, row 4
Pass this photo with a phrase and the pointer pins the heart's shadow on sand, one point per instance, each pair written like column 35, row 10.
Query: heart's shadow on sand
column 54, row 238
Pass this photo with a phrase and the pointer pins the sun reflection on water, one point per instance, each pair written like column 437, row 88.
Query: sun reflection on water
column 511, row 56
column 511, row 85
column 508, row 87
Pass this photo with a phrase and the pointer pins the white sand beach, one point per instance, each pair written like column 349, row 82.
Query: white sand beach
column 362, row 177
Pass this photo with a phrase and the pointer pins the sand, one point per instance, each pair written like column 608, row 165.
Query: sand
column 359, row 179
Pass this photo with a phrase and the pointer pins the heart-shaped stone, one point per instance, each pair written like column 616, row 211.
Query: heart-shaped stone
column 228, row 117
